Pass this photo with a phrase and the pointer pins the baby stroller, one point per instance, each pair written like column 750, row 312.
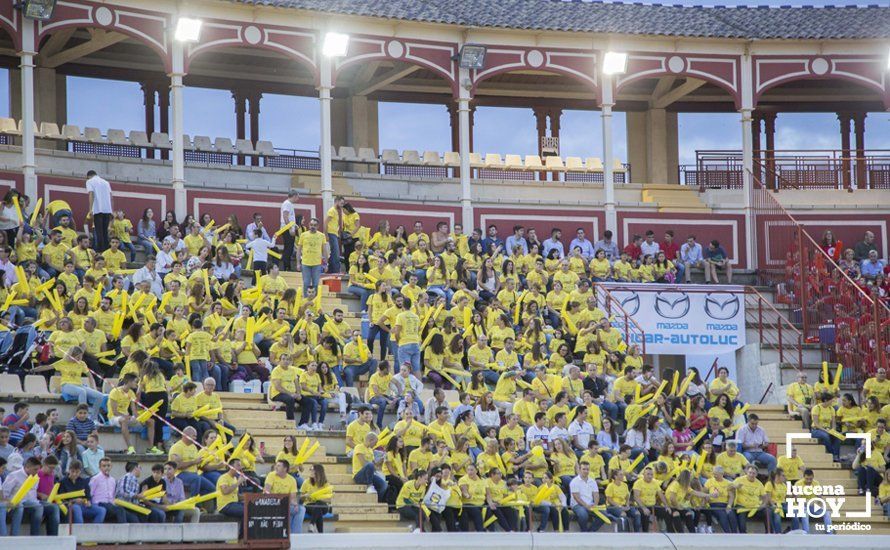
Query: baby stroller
column 17, row 348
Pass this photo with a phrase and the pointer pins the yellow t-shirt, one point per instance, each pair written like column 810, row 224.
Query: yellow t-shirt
column 311, row 247
column 201, row 343
column 310, row 384
column 281, row 485
column 287, row 377
column 881, row 390
column 413, row 433
column 676, row 495
column 476, row 489
column 185, row 453
column 360, row 455
column 732, row 465
column 71, row 371
column 822, row 416
column 749, row 494
column 648, row 491
column 791, row 466
column 122, row 399
column 409, row 328
column 226, row 480
column 154, row 384
column 411, row 493
column 618, row 492
column 722, row 488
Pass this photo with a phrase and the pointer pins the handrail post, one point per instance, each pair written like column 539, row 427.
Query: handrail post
column 804, row 275
column 760, row 317
column 879, row 337
column 781, row 347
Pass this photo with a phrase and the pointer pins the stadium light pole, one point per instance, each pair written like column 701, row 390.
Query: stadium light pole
column 187, row 30
column 27, row 53
column 614, row 63
column 334, row 45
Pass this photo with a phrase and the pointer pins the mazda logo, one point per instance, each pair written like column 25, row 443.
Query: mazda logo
column 672, row 305
column 630, row 302
column 722, row 306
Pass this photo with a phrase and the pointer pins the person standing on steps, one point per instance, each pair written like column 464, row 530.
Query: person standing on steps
column 100, row 208
column 289, row 236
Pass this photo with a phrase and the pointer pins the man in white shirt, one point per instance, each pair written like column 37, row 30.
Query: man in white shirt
column 585, row 495
column 289, row 236
column 580, row 430
column 257, row 223
column 690, row 256
column 559, row 430
column 148, row 273
column 554, row 243
column 166, row 257
column 538, row 432
column 100, row 208
column 649, row 245
column 581, row 242
column 516, row 239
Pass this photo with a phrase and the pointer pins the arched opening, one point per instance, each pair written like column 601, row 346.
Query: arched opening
column 822, row 132
column 88, row 96
column 549, row 114
column 397, row 108
column 662, row 109
column 246, row 95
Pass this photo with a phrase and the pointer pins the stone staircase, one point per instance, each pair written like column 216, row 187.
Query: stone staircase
column 777, row 423
column 355, row 510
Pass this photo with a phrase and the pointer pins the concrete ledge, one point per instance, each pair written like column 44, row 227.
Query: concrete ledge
column 135, row 533
column 39, row 543
column 588, row 541
column 206, row 532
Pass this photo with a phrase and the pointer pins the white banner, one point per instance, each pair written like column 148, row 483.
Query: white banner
column 683, row 319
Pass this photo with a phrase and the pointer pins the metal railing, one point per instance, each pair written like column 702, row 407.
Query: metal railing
column 833, row 310
column 773, row 328
column 633, row 332
column 796, row 169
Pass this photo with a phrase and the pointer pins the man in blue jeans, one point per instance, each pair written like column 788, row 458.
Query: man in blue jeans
column 585, row 496
column 313, row 252
column 280, row 482
column 364, row 467
column 185, row 454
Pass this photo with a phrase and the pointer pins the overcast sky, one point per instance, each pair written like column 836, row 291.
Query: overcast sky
column 292, row 122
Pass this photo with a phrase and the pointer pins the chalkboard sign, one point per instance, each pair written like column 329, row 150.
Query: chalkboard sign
column 266, row 520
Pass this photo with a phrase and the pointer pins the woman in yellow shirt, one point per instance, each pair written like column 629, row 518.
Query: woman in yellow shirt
column 310, row 403
column 152, row 389
column 563, row 462
column 849, row 415
column 646, row 272
column 618, row 501
column 73, row 371
column 679, row 496
column 600, row 268
column 465, row 426
column 359, row 283
column 65, row 338
column 663, row 269
column 393, row 466
column 473, row 492
column 460, row 457
column 316, row 508
column 289, row 452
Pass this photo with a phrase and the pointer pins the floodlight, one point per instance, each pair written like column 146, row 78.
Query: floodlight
column 335, row 44
column 614, row 63
column 41, row 10
column 188, row 29
column 472, row 56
